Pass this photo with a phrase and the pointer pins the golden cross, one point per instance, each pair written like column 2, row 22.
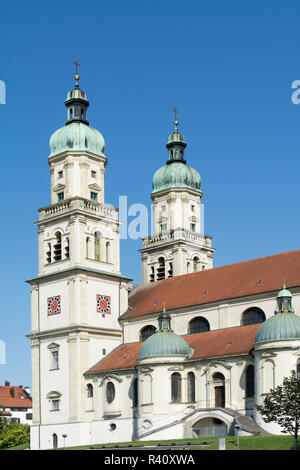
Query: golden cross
column 175, row 111
column 76, row 63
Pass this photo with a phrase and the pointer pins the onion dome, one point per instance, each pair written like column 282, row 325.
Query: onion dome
column 77, row 136
column 164, row 342
column 77, row 133
column 284, row 325
column 176, row 173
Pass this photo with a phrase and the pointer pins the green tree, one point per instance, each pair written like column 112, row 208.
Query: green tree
column 282, row 406
column 14, row 434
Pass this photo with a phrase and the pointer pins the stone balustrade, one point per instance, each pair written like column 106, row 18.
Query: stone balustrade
column 177, row 234
column 78, row 203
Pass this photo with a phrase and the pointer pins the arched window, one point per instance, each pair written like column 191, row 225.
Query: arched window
column 198, row 325
column 147, row 331
column 191, row 387
column 54, row 441
column 250, row 381
column 152, row 274
column 110, row 392
column 57, row 247
column 135, row 395
column 97, row 245
column 170, row 270
column 219, row 387
column 67, row 248
column 195, row 264
column 90, row 391
column 161, row 269
column 107, row 252
column 87, row 247
column 298, row 369
column 253, row 315
column 176, row 387
column 188, row 267
column 48, row 254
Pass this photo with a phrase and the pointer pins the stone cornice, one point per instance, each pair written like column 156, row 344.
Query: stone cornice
column 76, row 153
column 78, row 269
column 74, row 330
column 165, row 192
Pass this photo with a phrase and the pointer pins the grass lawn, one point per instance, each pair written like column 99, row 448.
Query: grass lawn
column 245, row 443
column 19, row 447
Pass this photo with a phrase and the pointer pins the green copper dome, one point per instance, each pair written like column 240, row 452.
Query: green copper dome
column 164, row 342
column 279, row 327
column 77, row 136
column 176, row 175
column 284, row 324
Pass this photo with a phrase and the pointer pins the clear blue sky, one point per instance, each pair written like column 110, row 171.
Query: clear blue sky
column 228, row 68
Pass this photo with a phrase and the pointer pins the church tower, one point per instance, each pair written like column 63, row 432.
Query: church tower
column 79, row 291
column 178, row 245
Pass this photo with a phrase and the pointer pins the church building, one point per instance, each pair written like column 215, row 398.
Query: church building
column 189, row 352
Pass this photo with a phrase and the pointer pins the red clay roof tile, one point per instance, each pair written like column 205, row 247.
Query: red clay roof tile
column 10, row 396
column 213, row 285
column 217, row 343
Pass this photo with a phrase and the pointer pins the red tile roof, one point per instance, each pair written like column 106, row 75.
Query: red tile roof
column 122, row 357
column 14, row 397
column 210, row 344
column 213, row 285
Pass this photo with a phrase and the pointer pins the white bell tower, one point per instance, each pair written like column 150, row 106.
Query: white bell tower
column 178, row 244
column 79, row 292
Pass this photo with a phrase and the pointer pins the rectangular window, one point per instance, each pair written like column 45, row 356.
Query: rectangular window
column 192, row 208
column 193, row 227
column 60, row 196
column 54, row 360
column 103, row 352
column 15, row 420
column 94, row 174
column 94, row 196
column 28, row 416
column 55, row 405
column 60, row 174
column 163, row 228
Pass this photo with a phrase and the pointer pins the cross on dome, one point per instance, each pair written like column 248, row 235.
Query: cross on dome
column 77, row 64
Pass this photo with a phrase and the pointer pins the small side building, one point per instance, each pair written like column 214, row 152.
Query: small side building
column 16, row 403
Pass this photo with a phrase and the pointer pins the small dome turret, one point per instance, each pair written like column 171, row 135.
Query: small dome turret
column 283, row 325
column 164, row 342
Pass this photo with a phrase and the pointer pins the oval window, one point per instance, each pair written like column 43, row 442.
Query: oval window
column 110, row 392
